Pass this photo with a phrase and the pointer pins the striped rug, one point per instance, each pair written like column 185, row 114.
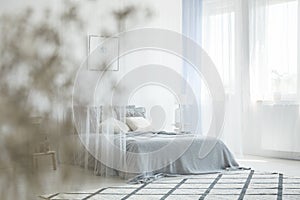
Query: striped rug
column 238, row 185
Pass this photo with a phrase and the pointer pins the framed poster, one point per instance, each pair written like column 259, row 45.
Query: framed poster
column 97, row 60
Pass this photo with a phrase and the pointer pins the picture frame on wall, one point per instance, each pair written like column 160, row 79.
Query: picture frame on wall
column 101, row 55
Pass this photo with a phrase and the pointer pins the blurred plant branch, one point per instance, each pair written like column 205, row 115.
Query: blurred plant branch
column 36, row 75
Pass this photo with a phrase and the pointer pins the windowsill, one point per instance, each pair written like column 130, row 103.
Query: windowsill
column 278, row 103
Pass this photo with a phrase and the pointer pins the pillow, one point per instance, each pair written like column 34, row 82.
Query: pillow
column 115, row 125
column 129, row 111
column 138, row 124
column 139, row 112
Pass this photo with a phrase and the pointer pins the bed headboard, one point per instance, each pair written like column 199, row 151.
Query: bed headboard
column 90, row 116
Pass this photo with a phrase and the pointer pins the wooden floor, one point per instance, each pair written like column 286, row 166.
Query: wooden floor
column 72, row 178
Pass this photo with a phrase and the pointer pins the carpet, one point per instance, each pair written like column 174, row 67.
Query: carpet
column 239, row 185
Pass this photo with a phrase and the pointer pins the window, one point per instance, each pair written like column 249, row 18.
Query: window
column 274, row 53
column 218, row 38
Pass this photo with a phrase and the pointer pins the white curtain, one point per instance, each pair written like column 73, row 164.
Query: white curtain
column 255, row 47
column 221, row 40
column 273, row 49
column 191, row 27
column 218, row 32
column 274, row 122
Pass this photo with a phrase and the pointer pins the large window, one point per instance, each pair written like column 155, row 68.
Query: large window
column 218, row 38
column 274, row 51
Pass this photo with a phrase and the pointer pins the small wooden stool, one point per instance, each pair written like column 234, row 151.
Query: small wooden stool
column 36, row 155
column 42, row 144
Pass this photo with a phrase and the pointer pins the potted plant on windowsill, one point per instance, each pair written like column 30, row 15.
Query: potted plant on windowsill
column 277, row 79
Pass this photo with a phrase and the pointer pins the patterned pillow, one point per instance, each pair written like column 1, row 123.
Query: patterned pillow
column 140, row 112
column 129, row 111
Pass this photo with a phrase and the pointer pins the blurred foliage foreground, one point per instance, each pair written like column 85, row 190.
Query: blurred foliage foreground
column 36, row 75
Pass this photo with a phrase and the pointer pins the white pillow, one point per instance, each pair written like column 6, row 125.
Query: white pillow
column 115, row 125
column 138, row 124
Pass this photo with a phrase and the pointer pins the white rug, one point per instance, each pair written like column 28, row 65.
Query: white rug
column 229, row 185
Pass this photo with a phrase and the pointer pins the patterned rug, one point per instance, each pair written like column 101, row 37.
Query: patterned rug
column 238, row 185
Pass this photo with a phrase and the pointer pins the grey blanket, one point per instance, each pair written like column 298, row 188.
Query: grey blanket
column 151, row 153
column 185, row 145
column 180, row 155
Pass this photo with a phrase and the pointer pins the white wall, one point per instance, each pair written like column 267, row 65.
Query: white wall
column 166, row 15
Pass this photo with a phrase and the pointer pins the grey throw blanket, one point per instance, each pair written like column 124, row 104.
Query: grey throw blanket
column 145, row 161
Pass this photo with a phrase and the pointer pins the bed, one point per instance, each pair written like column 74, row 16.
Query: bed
column 139, row 153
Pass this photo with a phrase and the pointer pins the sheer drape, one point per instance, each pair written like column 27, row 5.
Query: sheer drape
column 273, row 119
column 99, row 149
column 218, row 33
column 255, row 46
column 220, row 38
column 273, row 49
column 191, row 27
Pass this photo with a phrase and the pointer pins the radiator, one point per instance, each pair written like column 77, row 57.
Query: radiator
column 280, row 126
